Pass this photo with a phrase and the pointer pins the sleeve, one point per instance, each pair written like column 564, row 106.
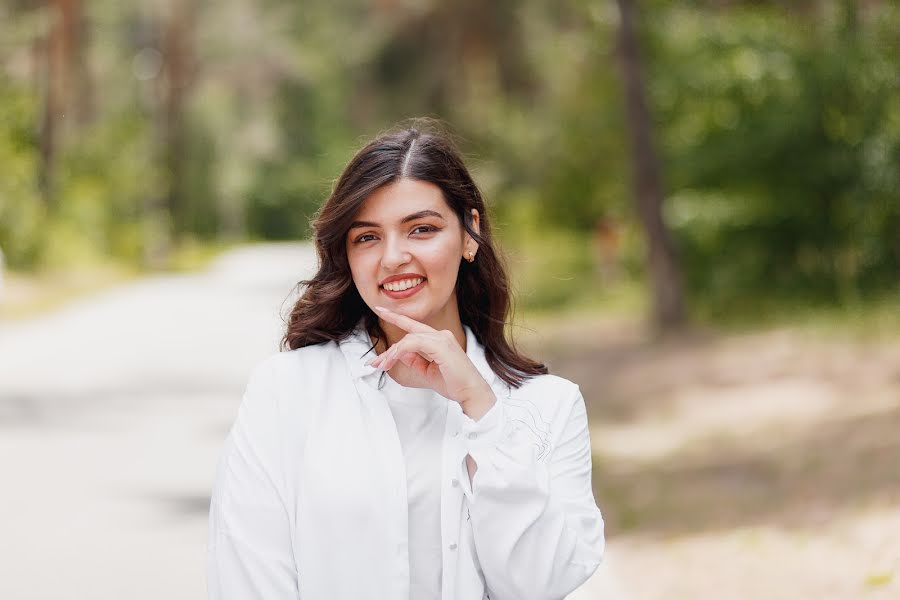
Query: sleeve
column 538, row 531
column 249, row 551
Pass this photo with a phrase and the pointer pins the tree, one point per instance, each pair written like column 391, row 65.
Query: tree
column 665, row 275
column 65, row 83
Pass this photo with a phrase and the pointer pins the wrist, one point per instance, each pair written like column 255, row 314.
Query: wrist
column 479, row 403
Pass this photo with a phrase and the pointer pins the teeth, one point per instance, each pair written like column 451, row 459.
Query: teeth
column 405, row 284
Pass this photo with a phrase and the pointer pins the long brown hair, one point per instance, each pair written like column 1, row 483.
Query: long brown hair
column 330, row 306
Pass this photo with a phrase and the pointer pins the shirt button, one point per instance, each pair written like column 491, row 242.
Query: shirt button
column 453, row 546
column 472, row 435
column 455, row 482
column 455, row 433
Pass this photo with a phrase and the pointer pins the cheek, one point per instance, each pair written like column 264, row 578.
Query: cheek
column 441, row 261
column 360, row 270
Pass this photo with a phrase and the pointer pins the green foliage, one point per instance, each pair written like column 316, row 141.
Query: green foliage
column 21, row 209
column 104, row 181
column 288, row 188
column 557, row 269
column 552, row 270
column 779, row 130
column 783, row 150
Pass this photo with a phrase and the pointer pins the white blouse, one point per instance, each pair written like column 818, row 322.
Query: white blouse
column 311, row 501
column 421, row 416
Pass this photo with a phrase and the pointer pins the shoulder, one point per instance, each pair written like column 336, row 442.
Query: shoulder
column 548, row 389
column 286, row 383
column 545, row 398
column 283, row 391
column 278, row 367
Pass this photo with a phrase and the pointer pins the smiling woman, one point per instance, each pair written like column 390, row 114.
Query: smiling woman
column 401, row 447
column 406, row 204
column 410, row 261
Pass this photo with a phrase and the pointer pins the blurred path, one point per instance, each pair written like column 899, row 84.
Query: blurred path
column 112, row 414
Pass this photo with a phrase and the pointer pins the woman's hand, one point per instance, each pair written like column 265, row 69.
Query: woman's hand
column 438, row 362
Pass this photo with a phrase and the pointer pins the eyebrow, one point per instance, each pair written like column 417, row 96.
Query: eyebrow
column 416, row 215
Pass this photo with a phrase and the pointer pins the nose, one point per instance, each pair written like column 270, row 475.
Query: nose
column 395, row 253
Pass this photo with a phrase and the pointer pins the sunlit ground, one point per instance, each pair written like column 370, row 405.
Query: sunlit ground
column 744, row 465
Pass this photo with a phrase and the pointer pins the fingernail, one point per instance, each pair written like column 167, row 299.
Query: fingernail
column 380, row 308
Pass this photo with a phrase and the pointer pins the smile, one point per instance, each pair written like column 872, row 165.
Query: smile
column 403, row 284
column 404, row 288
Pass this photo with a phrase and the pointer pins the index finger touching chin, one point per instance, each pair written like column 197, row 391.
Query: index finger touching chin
column 402, row 321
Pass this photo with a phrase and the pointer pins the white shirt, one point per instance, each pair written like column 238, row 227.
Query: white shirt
column 310, row 498
column 421, row 416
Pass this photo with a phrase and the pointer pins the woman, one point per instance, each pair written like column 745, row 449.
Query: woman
column 402, row 448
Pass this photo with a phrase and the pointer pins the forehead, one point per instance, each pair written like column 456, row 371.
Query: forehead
column 392, row 202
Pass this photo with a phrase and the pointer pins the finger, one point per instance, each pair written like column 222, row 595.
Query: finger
column 389, row 357
column 403, row 322
column 386, row 356
column 379, row 359
column 394, row 358
column 420, row 364
column 415, row 344
column 410, row 358
column 431, row 347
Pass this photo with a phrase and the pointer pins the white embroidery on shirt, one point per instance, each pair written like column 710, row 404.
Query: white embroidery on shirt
column 524, row 416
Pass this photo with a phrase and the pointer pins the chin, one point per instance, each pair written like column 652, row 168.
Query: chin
column 420, row 313
column 412, row 312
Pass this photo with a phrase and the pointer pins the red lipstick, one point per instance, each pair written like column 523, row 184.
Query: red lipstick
column 399, row 277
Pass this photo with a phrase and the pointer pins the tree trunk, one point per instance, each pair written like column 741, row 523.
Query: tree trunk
column 178, row 67
column 665, row 275
column 61, row 54
column 47, row 128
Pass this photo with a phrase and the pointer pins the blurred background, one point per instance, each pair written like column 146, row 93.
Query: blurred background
column 699, row 202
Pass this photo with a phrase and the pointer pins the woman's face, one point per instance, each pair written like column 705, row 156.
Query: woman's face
column 405, row 246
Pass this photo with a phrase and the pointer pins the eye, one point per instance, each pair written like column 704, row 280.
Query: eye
column 363, row 237
column 425, row 228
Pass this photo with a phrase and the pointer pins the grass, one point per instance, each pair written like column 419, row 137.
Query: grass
column 192, row 255
column 29, row 294
column 873, row 319
column 555, row 279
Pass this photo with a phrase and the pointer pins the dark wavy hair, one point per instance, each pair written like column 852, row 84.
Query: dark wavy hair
column 330, row 306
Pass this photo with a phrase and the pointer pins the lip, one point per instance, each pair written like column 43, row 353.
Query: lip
column 405, row 293
column 400, row 277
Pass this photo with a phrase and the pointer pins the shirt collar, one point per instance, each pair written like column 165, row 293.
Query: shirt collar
column 357, row 349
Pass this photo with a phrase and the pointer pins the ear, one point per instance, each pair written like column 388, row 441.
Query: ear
column 476, row 220
column 470, row 244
